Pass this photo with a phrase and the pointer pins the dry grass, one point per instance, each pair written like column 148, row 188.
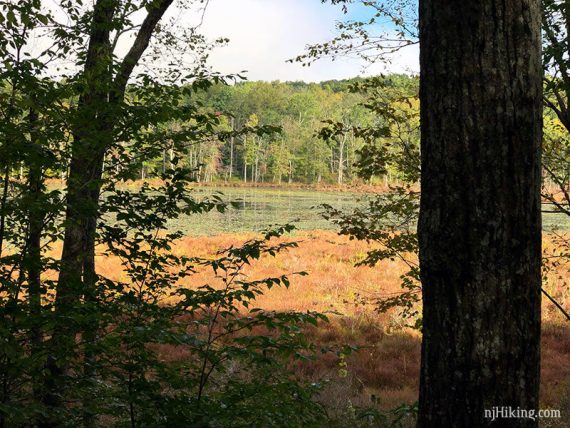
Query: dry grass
column 356, row 186
column 386, row 370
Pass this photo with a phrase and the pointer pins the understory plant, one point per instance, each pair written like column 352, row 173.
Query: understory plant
column 387, row 220
column 177, row 353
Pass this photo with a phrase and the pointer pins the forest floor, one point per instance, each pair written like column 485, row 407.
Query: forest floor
column 385, row 371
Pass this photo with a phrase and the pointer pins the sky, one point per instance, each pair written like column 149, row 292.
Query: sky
column 265, row 33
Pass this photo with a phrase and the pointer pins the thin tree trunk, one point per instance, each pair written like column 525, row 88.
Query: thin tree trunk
column 32, row 258
column 232, row 121
column 3, row 204
column 480, row 225
column 340, row 172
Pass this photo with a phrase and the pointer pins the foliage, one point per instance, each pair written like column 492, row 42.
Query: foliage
column 83, row 349
column 385, row 28
column 232, row 370
column 290, row 115
column 556, row 162
column 295, row 153
column 364, row 39
column 399, row 417
column 389, row 219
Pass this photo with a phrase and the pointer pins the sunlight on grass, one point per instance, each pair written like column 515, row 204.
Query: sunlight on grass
column 386, row 370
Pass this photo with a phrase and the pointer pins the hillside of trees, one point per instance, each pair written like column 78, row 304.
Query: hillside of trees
column 294, row 149
column 298, row 153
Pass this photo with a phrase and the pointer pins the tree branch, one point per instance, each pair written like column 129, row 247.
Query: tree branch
column 558, row 305
column 155, row 13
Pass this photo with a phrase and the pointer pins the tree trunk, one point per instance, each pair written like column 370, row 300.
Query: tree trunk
column 480, row 225
column 232, row 121
column 3, row 204
column 32, row 258
column 340, row 172
column 97, row 115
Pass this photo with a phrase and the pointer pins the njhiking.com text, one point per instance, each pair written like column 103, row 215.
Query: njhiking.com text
column 507, row 412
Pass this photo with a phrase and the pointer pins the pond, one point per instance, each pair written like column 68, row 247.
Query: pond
column 256, row 208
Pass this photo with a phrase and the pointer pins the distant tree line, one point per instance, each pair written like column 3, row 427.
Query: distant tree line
column 295, row 151
column 299, row 152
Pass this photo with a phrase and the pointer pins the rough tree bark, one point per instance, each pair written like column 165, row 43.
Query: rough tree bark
column 91, row 134
column 97, row 114
column 480, row 223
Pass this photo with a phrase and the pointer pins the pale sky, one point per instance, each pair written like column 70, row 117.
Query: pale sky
column 265, row 33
